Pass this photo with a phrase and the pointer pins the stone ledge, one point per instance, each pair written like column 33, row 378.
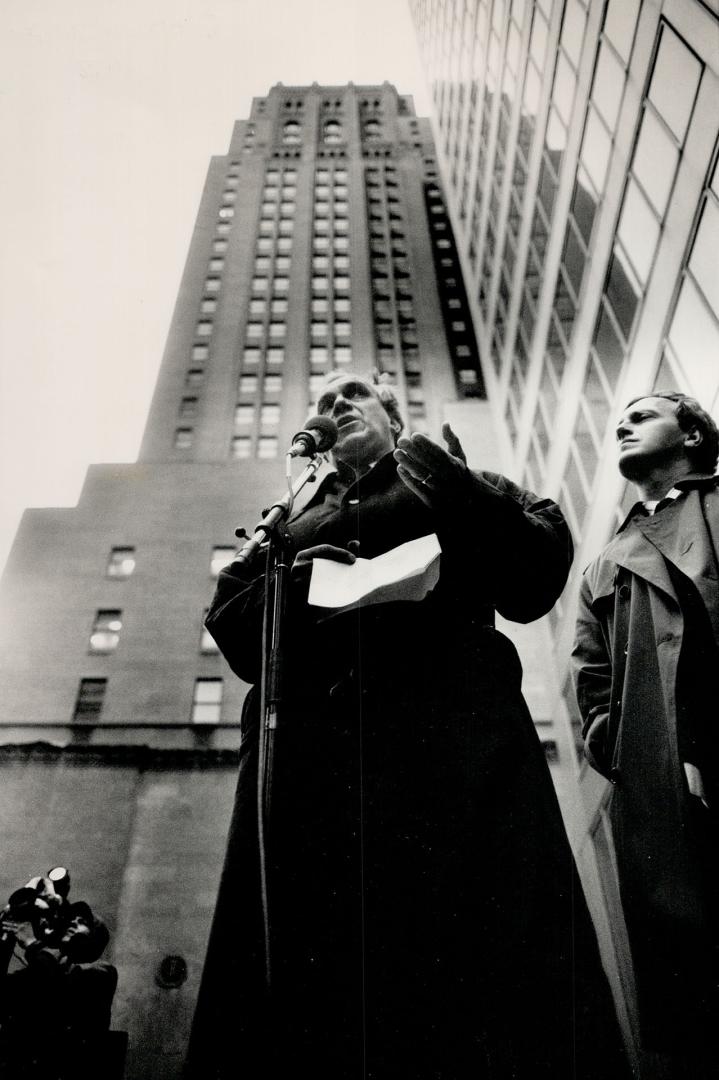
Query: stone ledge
column 143, row 757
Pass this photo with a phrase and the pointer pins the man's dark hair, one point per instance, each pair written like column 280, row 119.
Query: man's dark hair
column 690, row 415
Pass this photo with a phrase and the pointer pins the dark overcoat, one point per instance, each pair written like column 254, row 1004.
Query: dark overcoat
column 426, row 915
column 629, row 640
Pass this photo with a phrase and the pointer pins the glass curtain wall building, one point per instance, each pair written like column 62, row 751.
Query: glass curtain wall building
column 578, row 141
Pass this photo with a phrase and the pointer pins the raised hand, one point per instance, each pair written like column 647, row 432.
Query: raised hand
column 430, row 471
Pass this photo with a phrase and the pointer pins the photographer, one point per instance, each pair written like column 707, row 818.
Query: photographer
column 55, row 1006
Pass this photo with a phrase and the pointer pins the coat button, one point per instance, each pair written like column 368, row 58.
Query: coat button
column 614, row 776
column 624, row 592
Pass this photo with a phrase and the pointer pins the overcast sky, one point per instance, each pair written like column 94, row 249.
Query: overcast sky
column 109, row 114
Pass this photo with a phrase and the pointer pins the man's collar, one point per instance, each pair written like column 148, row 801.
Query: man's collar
column 686, row 483
column 347, row 475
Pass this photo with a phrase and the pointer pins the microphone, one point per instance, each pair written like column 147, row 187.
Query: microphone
column 319, row 435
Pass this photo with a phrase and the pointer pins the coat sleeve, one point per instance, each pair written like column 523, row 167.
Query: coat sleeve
column 524, row 542
column 235, row 615
column 592, row 673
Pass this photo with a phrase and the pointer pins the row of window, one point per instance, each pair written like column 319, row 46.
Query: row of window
column 122, row 560
column 256, row 420
column 206, row 706
column 200, row 353
column 106, row 628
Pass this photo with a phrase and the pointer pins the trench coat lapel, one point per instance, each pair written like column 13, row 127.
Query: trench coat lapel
column 685, row 541
column 632, row 549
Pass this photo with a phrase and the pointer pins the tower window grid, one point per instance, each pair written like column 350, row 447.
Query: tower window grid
column 609, row 79
column 392, row 300
column 561, row 104
column 200, row 352
column 662, row 129
column 494, row 285
column 257, row 408
column 330, row 321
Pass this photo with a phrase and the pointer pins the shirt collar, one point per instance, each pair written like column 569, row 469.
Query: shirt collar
column 691, row 480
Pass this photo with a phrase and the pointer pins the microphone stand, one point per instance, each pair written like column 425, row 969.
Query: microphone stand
column 269, row 532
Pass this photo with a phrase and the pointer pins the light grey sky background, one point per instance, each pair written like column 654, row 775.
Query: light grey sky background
column 109, row 114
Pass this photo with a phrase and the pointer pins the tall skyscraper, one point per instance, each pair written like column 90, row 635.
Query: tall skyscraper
column 322, row 241
column 578, row 141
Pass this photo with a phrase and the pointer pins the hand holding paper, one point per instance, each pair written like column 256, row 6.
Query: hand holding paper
column 407, row 572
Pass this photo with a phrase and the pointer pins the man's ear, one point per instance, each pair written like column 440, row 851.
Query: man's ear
column 693, row 437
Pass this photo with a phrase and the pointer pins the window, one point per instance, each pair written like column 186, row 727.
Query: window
column 200, row 353
column 188, row 408
column 291, row 133
column 267, row 446
column 244, row 415
column 207, row 701
column 248, row 384
column 90, row 697
column 183, row 438
column 121, row 562
column 674, row 82
column 241, row 447
column 222, row 556
column 106, row 629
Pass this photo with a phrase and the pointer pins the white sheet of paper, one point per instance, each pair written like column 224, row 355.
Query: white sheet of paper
column 407, row 572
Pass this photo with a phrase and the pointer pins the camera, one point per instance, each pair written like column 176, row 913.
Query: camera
column 41, row 902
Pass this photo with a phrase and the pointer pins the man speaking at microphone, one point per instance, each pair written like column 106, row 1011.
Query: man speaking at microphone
column 425, row 915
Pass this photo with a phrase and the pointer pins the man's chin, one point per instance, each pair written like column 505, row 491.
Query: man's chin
column 631, row 465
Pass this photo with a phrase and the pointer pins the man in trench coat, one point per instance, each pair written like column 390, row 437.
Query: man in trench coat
column 647, row 676
column 426, row 918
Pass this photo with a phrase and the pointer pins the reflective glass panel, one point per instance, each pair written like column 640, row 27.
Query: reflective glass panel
column 619, row 25
column 565, row 82
column 609, row 346
column 623, row 291
column 573, row 258
column 666, row 380
column 608, row 85
column 704, row 262
column 674, row 82
column 596, row 148
column 584, row 205
column 655, row 161
column 538, row 46
column 694, row 336
column 596, row 398
column 638, row 230
column 584, row 442
column 573, row 30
